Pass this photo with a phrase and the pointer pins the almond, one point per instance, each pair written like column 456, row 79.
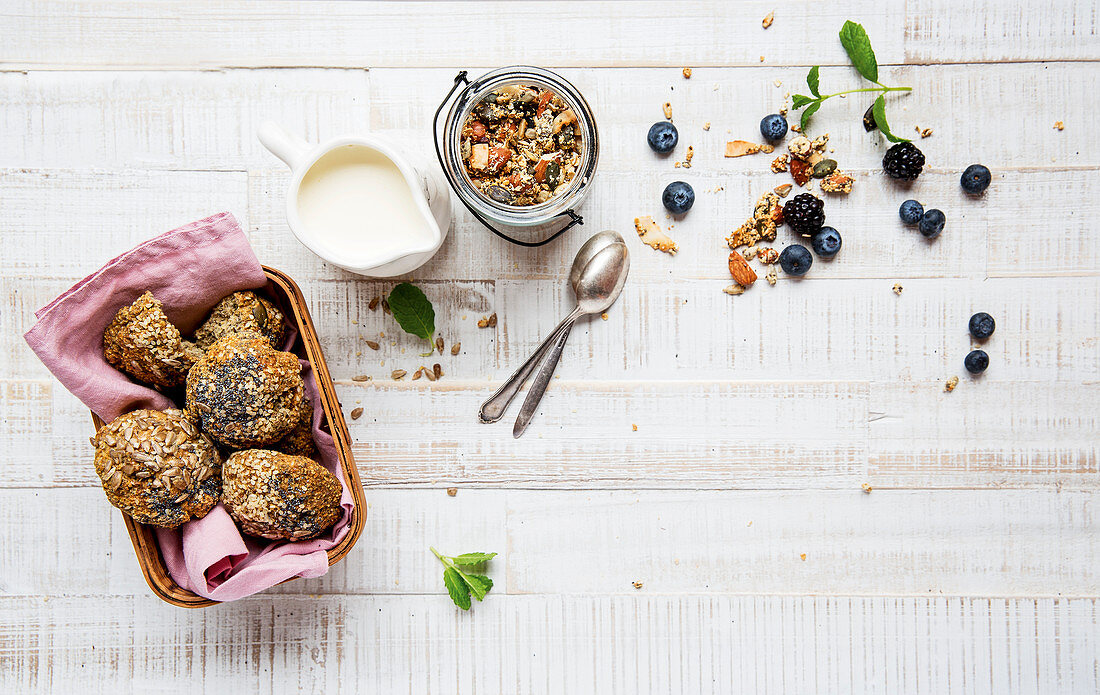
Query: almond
column 740, row 148
column 800, row 171
column 742, row 273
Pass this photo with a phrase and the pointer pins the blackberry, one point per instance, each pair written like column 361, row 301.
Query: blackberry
column 903, row 161
column 805, row 213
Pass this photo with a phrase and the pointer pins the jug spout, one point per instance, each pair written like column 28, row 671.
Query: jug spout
column 286, row 146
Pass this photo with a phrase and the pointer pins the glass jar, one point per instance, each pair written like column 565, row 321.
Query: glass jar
column 487, row 210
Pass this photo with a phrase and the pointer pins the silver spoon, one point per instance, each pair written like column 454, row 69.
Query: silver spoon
column 595, row 292
column 609, row 260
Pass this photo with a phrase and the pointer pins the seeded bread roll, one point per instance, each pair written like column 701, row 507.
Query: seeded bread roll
column 244, row 394
column 276, row 496
column 156, row 467
column 300, row 440
column 141, row 342
column 242, row 312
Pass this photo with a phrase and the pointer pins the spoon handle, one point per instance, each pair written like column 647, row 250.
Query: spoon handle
column 538, row 386
column 493, row 408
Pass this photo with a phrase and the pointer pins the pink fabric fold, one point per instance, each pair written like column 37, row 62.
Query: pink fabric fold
column 188, row 269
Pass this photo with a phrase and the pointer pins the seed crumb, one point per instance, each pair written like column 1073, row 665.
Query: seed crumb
column 398, row 374
column 951, row 384
column 768, row 20
column 359, row 353
column 360, row 377
column 386, row 306
column 778, row 83
column 667, row 108
column 803, row 556
column 603, row 316
column 374, row 303
column 1059, row 125
column 636, row 585
column 354, row 322
column 735, row 290
column 772, row 277
column 866, row 487
column 923, row 132
column 418, row 373
column 356, row 413
column 898, row 288
column 634, row 428
column 676, row 165
column 687, row 73
column 439, row 344
column 761, row 59
column 706, row 126
column 452, row 491
column 372, row 345
column 456, row 348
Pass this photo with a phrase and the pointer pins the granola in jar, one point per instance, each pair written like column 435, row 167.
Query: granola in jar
column 521, row 145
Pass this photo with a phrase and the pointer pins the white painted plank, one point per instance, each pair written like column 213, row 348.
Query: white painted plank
column 889, row 542
column 923, row 437
column 556, row 644
column 369, row 34
column 175, row 120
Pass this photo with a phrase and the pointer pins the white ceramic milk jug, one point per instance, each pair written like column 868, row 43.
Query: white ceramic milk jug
column 358, row 203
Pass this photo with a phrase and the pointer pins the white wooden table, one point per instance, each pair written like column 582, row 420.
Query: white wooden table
column 972, row 566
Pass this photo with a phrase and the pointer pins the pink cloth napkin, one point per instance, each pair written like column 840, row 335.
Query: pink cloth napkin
column 188, row 269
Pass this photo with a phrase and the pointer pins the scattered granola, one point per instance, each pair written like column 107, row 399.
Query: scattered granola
column 452, row 491
column 652, row 235
column 603, row 316
column 951, row 384
column 783, row 190
column 634, row 427
column 772, row 277
column 734, row 290
column 803, row 556
column 897, row 288
column 1059, row 125
column 706, row 126
column 779, row 164
column 923, row 132
column 687, row 73
column 866, row 487
column 765, row 215
column 768, row 21
column 360, row 377
column 768, row 255
column 750, row 253
column 837, row 182
column 356, row 413
column 667, row 108
column 800, row 171
column 740, row 148
column 688, row 157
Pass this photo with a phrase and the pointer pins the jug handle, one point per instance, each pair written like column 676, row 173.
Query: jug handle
column 574, row 218
column 286, row 146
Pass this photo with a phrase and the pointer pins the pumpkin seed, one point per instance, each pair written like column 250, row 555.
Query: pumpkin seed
column 553, row 174
column 259, row 312
column 824, row 168
column 456, row 348
column 500, row 194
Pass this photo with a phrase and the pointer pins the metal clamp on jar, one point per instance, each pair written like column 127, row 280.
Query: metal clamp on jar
column 496, row 206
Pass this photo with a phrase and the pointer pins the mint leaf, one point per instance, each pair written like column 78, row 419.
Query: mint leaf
column 479, row 585
column 879, row 111
column 813, row 81
column 468, row 559
column 800, row 100
column 413, row 311
column 855, row 41
column 810, row 110
column 457, row 588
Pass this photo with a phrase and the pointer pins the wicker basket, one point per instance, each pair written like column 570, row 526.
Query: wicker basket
column 144, row 538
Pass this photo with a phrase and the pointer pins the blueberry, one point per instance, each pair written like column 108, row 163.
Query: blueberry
column 976, row 361
column 773, row 127
column 678, row 197
column 982, row 325
column 976, row 179
column 662, row 136
column 796, row 260
column 826, row 242
column 932, row 222
column 911, row 212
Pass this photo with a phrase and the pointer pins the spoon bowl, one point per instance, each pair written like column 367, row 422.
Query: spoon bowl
column 600, row 282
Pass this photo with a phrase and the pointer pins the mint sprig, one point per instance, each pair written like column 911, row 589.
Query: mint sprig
column 461, row 585
column 414, row 312
column 858, row 46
